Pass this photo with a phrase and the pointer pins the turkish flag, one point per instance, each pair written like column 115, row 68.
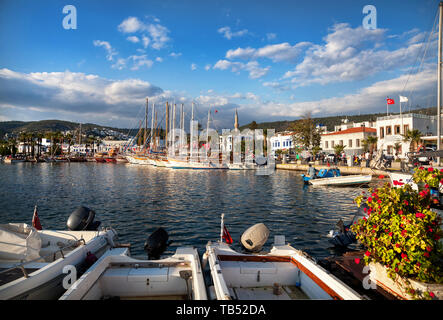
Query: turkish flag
column 226, row 235
column 390, row 101
column 35, row 220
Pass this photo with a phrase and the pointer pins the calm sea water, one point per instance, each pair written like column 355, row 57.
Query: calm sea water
column 187, row 203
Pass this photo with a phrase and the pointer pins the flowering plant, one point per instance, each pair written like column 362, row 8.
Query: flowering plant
column 428, row 176
column 402, row 233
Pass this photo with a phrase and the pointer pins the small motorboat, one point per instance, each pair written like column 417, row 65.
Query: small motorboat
column 111, row 159
column 32, row 261
column 284, row 273
column 10, row 159
column 341, row 181
column 322, row 173
column 117, row 275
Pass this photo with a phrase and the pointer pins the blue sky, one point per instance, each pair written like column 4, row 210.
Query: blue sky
column 271, row 60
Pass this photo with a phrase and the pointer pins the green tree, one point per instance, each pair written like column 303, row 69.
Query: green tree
column 414, row 137
column 338, row 149
column 306, row 134
column 371, row 143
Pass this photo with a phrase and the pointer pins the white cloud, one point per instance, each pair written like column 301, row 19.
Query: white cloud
column 275, row 52
column 193, row 67
column 159, row 59
column 271, row 36
column 175, row 54
column 107, row 46
column 228, row 34
column 207, row 67
column 158, row 34
column 133, row 39
column 254, row 69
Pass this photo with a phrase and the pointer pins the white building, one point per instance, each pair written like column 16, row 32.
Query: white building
column 352, row 138
column 282, row 141
column 390, row 130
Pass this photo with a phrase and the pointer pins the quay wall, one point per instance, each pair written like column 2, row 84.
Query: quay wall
column 343, row 169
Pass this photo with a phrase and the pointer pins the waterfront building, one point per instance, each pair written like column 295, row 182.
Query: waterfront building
column 352, row 138
column 282, row 141
column 390, row 130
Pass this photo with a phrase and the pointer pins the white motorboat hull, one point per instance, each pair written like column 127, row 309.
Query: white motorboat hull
column 46, row 282
column 242, row 166
column 183, row 164
column 342, row 180
column 402, row 178
column 270, row 276
column 116, row 274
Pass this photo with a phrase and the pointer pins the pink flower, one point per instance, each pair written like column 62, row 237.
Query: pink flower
column 419, row 215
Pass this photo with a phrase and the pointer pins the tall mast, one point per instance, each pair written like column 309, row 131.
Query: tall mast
column 167, row 124
column 440, row 24
column 145, row 136
column 156, row 131
column 152, row 126
column 191, row 129
column 173, row 129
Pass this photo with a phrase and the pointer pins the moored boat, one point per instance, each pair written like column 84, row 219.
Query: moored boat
column 117, row 275
column 284, row 273
column 32, row 261
column 351, row 180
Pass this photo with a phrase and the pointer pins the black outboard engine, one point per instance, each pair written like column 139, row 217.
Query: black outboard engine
column 344, row 236
column 156, row 243
column 82, row 219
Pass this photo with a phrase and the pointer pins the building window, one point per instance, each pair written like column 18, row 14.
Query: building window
column 332, row 144
column 326, row 145
column 350, row 143
column 357, row 143
column 405, row 128
column 341, row 142
column 396, row 129
column 382, row 133
column 388, row 130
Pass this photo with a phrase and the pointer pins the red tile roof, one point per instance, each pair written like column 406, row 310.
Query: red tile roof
column 352, row 130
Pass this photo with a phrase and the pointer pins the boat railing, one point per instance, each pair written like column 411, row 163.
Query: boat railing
column 21, row 265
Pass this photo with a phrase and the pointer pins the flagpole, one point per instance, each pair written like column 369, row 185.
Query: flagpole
column 222, row 226
column 439, row 81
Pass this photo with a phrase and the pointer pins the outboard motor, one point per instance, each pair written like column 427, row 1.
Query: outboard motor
column 82, row 219
column 254, row 238
column 156, row 243
column 344, row 236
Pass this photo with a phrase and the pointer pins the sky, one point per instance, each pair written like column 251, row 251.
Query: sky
column 270, row 60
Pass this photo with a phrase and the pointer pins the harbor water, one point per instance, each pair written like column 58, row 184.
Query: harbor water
column 135, row 200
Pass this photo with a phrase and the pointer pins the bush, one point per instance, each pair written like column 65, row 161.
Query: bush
column 402, row 233
column 428, row 176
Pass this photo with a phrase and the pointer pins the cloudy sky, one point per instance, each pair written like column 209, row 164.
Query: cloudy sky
column 272, row 60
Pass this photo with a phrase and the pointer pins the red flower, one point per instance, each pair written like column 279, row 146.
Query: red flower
column 381, row 176
column 397, row 245
column 369, row 199
column 404, row 256
column 390, row 234
column 379, row 201
column 403, row 233
column 400, row 212
column 426, row 254
column 395, row 182
column 357, row 260
column 406, row 202
column 419, row 215
column 431, row 294
column 428, row 248
column 426, row 185
column 367, row 253
column 430, row 169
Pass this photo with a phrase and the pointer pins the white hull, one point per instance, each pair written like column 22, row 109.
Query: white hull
column 283, row 274
column 116, row 274
column 183, row 164
column 242, row 166
column 342, row 180
column 402, row 178
column 46, row 282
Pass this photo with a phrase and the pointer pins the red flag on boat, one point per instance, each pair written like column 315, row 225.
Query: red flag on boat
column 226, row 235
column 216, row 111
column 390, row 101
column 35, row 220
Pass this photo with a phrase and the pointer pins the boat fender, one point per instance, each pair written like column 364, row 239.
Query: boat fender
column 255, row 237
column 204, row 259
column 156, row 243
column 82, row 219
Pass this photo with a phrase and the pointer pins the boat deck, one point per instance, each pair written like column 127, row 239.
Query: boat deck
column 267, row 293
column 11, row 275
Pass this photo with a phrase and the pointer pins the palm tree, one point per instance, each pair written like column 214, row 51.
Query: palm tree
column 414, row 137
column 371, row 142
column 338, row 149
